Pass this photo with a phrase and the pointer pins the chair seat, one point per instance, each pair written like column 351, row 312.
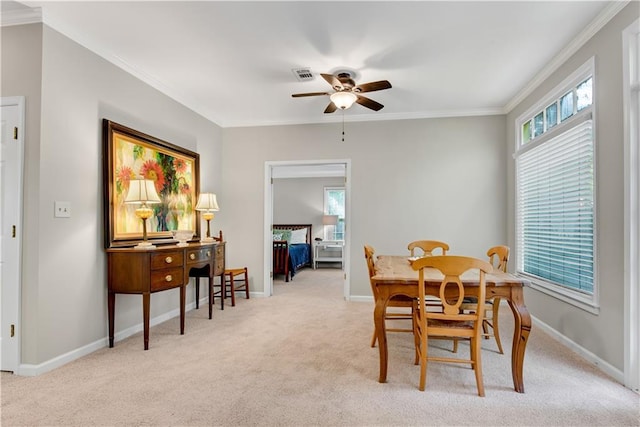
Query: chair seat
column 234, row 271
column 439, row 323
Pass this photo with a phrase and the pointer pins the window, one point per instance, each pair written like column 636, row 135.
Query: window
column 555, row 211
column 334, row 205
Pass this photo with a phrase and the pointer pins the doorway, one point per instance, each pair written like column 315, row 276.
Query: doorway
column 11, row 184
column 300, row 169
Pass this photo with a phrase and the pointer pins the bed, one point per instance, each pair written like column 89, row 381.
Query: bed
column 291, row 249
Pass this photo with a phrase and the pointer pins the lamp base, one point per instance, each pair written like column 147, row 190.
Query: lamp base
column 144, row 245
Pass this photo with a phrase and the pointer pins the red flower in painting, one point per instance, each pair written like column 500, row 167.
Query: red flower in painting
column 123, row 177
column 184, row 188
column 179, row 165
column 152, row 170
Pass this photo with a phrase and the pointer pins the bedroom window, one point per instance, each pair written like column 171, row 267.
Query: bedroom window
column 334, row 205
column 555, row 195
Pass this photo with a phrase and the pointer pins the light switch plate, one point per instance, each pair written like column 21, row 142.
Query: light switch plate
column 62, row 209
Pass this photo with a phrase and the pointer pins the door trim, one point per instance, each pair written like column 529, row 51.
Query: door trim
column 268, row 219
column 15, row 301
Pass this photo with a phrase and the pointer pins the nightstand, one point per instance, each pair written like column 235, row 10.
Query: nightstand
column 332, row 246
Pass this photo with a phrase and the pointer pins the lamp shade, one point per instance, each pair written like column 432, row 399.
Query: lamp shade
column 343, row 99
column 329, row 219
column 207, row 202
column 142, row 191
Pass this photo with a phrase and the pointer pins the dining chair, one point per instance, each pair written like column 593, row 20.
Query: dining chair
column 452, row 322
column 498, row 258
column 398, row 301
column 427, row 247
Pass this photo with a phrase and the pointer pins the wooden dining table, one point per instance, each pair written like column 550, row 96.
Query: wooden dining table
column 395, row 276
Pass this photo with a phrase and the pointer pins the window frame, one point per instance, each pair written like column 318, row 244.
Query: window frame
column 580, row 299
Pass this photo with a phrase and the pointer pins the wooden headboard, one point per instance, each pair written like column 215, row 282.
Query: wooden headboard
column 295, row 227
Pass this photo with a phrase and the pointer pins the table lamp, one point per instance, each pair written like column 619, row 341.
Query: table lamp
column 208, row 204
column 143, row 192
column 330, row 220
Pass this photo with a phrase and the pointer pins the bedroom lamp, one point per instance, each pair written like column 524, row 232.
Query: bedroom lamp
column 330, row 220
column 344, row 99
column 208, row 204
column 142, row 192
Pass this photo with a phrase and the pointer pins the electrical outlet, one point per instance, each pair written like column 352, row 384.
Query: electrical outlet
column 62, row 209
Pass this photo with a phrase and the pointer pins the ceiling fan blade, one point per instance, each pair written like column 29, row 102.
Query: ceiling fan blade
column 299, row 95
column 333, row 81
column 373, row 86
column 330, row 108
column 369, row 103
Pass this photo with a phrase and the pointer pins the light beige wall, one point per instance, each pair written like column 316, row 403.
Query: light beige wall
column 22, row 76
column 411, row 179
column 601, row 334
column 64, row 288
column 301, row 201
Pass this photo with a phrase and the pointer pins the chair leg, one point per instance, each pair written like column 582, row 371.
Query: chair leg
column 232, row 288
column 494, row 323
column 374, row 338
column 477, row 364
column 423, row 360
column 246, row 282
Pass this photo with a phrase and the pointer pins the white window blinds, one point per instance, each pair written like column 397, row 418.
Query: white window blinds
column 555, row 210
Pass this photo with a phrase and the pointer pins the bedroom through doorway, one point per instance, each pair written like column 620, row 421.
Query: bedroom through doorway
column 306, row 219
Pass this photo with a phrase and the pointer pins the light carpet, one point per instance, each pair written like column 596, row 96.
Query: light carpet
column 302, row 358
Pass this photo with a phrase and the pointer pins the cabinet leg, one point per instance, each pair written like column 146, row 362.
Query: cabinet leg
column 183, row 293
column 210, row 297
column 146, row 300
column 111, row 308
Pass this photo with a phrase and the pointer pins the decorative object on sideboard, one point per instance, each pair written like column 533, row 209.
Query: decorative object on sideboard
column 207, row 204
column 142, row 192
column 182, row 236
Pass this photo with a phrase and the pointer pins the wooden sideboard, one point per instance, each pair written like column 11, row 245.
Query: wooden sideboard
column 143, row 272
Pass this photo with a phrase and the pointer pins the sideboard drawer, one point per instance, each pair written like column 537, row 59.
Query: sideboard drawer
column 198, row 255
column 166, row 279
column 166, row 260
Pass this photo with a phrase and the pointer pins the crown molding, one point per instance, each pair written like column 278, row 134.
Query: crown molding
column 21, row 17
column 585, row 35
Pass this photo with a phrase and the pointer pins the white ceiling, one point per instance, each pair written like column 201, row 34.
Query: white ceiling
column 232, row 61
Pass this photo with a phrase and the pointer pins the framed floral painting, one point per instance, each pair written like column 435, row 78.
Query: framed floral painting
column 129, row 154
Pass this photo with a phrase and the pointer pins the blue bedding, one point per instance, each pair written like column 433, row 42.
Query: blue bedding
column 299, row 255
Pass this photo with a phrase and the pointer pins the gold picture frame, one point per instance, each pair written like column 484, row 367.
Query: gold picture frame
column 130, row 154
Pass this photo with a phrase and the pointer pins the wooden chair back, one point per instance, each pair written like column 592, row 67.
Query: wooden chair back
column 427, row 247
column 452, row 322
column 499, row 257
column 368, row 255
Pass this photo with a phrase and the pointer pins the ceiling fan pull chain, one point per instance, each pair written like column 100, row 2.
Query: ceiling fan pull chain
column 342, row 125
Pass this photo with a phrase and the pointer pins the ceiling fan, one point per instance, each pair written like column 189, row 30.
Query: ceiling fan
column 347, row 92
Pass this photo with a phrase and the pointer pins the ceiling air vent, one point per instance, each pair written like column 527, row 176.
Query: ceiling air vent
column 303, row 74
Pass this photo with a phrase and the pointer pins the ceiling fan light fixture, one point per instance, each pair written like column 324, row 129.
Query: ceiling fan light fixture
column 343, row 100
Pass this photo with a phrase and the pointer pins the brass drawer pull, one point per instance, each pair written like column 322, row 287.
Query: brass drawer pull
column 192, row 256
column 168, row 278
column 168, row 260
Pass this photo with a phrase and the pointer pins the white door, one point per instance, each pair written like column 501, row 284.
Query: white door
column 11, row 162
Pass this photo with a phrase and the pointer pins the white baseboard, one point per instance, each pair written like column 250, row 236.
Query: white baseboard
column 29, row 370
column 604, row 366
